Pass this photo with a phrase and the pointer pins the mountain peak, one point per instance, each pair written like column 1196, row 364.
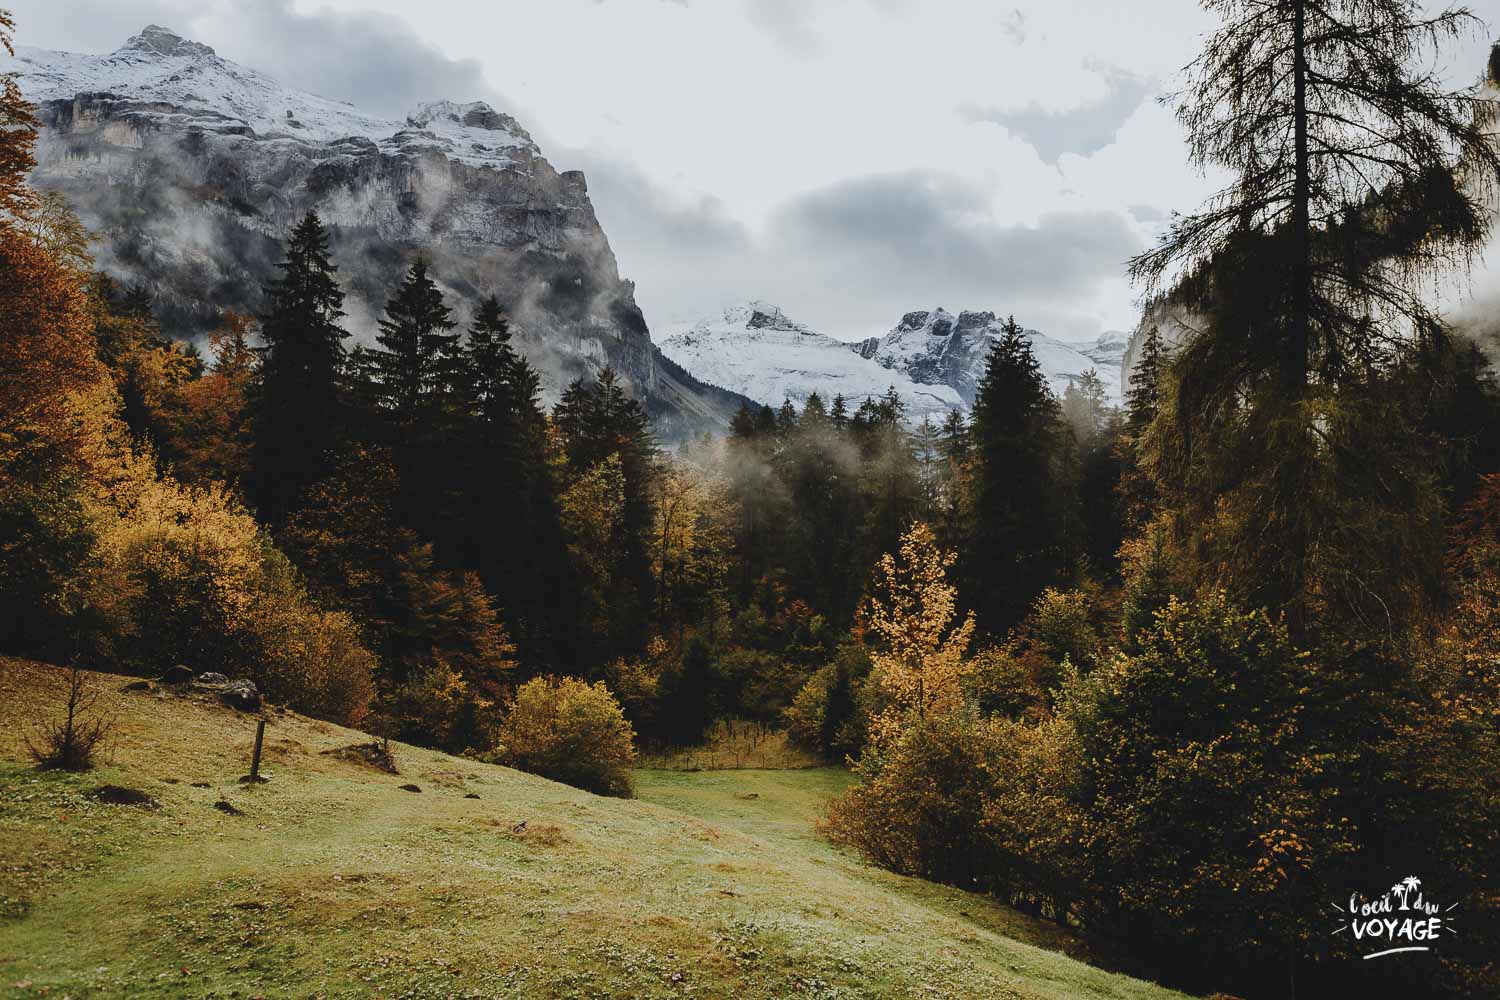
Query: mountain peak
column 758, row 315
column 154, row 40
column 475, row 114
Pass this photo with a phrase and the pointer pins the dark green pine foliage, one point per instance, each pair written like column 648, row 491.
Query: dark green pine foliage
column 1137, row 493
column 1022, row 498
column 786, row 418
column 742, row 424
column 414, row 364
column 765, row 420
column 817, row 513
column 596, row 420
column 955, row 437
column 411, row 377
column 295, row 402
column 838, row 414
column 891, row 480
column 509, row 528
column 1144, row 395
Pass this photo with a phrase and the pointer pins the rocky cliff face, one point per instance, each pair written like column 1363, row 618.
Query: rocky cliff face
column 938, row 348
column 192, row 169
column 1175, row 324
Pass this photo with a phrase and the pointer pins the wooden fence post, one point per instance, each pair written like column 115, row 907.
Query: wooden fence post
column 260, row 735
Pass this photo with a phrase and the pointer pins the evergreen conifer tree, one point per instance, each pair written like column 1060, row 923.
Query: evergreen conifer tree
column 295, row 402
column 1021, row 495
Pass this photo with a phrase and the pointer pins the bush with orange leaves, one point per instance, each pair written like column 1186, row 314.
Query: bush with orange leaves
column 187, row 576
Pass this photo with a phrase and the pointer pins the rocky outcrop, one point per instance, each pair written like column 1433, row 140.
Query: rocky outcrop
column 192, row 169
column 1175, row 323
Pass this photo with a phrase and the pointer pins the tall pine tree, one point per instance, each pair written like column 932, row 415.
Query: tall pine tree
column 295, row 402
column 1021, row 490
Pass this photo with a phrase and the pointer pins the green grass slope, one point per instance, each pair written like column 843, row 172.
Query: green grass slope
column 337, row 883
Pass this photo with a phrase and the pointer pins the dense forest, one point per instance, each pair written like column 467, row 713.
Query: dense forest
column 1177, row 676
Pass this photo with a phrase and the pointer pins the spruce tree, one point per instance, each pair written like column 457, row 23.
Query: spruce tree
column 955, row 437
column 1144, row 395
column 786, row 418
column 295, row 402
column 508, row 526
column 742, row 424
column 1021, row 500
column 838, row 414
column 814, row 413
column 414, row 362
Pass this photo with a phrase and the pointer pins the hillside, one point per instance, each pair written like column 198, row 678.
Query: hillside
column 336, row 882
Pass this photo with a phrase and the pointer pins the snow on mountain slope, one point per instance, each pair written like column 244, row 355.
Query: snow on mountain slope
column 1108, row 351
column 755, row 350
column 197, row 88
column 937, row 348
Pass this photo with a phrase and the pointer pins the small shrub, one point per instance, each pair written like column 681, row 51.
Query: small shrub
column 920, row 805
column 829, row 714
column 570, row 731
column 69, row 744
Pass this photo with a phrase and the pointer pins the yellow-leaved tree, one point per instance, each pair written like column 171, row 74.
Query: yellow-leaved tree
column 912, row 610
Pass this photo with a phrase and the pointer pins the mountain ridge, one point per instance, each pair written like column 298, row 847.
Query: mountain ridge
column 194, row 168
column 932, row 358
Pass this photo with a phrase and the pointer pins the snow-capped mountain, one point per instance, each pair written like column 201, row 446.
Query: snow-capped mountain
column 933, row 359
column 1107, row 351
column 937, row 348
column 755, row 350
column 193, row 169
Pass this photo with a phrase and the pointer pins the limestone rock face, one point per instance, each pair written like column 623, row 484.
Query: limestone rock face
column 193, row 169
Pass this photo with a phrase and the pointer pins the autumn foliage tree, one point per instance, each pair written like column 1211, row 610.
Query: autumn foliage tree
column 920, row 638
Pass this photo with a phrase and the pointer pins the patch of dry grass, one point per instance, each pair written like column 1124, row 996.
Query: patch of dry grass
column 735, row 745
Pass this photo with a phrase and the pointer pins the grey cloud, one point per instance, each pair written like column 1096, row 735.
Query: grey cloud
column 90, row 25
column 1147, row 214
column 638, row 213
column 1084, row 130
column 365, row 58
column 790, row 21
column 1014, row 26
column 787, row 21
column 928, row 234
column 851, row 258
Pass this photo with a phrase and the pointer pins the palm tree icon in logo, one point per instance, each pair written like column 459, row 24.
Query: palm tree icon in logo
column 1404, row 888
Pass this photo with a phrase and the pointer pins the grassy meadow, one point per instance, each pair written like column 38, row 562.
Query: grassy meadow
column 334, row 881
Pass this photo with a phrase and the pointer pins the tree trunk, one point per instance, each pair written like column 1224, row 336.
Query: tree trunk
column 1295, row 365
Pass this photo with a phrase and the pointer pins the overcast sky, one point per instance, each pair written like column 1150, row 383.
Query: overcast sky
column 848, row 160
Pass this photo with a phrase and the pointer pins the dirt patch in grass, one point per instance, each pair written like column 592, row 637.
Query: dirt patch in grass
column 371, row 755
column 119, row 795
column 540, row 834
